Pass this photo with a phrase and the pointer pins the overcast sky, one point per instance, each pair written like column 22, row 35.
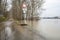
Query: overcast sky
column 9, row 5
column 52, row 8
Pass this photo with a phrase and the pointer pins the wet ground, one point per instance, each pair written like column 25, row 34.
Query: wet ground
column 44, row 29
column 11, row 30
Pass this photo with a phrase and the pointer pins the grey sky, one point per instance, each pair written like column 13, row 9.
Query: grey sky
column 9, row 5
column 52, row 8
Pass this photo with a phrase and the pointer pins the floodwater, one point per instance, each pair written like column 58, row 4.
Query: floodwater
column 48, row 28
column 43, row 29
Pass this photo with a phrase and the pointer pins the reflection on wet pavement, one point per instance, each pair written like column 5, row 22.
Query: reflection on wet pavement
column 13, row 31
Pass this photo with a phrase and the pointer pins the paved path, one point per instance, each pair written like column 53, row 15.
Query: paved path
column 14, row 31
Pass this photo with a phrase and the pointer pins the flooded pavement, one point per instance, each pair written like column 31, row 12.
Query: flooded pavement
column 13, row 31
column 48, row 28
column 44, row 29
column 7, row 32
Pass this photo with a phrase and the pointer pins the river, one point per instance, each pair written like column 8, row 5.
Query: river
column 50, row 28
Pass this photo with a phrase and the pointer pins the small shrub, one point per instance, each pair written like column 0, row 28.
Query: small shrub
column 2, row 19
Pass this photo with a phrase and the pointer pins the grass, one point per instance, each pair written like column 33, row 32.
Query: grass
column 2, row 19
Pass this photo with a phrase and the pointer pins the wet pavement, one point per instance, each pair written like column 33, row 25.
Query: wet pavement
column 43, row 29
column 14, row 31
column 35, row 30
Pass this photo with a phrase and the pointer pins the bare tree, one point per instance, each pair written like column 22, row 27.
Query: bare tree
column 16, row 10
column 36, row 5
column 33, row 7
